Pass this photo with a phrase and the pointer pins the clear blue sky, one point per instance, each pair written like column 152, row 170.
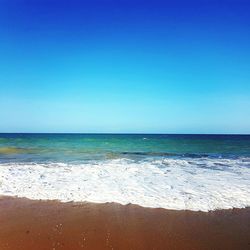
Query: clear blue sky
column 125, row 66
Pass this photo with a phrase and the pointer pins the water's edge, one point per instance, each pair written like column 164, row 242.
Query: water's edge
column 201, row 184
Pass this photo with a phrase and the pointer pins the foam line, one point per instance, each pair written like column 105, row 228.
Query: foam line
column 194, row 184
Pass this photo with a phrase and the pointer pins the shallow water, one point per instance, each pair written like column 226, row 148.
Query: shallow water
column 195, row 172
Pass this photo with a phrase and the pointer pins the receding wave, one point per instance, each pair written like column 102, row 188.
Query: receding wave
column 173, row 183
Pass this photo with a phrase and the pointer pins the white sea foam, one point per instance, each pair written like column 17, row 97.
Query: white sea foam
column 194, row 184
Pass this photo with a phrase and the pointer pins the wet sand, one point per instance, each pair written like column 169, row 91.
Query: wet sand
column 42, row 225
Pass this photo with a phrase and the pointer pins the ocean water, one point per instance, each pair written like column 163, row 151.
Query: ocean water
column 194, row 172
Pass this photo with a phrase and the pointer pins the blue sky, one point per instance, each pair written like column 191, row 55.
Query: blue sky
column 125, row 66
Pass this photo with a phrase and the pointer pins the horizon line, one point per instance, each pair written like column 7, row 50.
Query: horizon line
column 124, row 133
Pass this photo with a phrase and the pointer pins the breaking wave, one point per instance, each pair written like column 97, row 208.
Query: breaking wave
column 192, row 183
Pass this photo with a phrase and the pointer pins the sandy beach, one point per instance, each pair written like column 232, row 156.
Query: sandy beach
column 27, row 224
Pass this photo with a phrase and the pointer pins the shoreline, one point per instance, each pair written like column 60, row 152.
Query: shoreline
column 82, row 203
column 198, row 184
column 35, row 224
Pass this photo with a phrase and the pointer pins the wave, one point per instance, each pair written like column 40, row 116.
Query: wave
column 191, row 155
column 173, row 183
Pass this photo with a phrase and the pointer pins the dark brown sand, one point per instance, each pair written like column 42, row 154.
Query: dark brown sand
column 36, row 225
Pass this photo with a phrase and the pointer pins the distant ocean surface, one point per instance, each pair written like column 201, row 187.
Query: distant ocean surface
column 194, row 172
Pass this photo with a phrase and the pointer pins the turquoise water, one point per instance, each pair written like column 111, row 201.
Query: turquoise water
column 195, row 172
column 84, row 147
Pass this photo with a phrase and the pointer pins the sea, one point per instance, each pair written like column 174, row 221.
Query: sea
column 171, row 171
